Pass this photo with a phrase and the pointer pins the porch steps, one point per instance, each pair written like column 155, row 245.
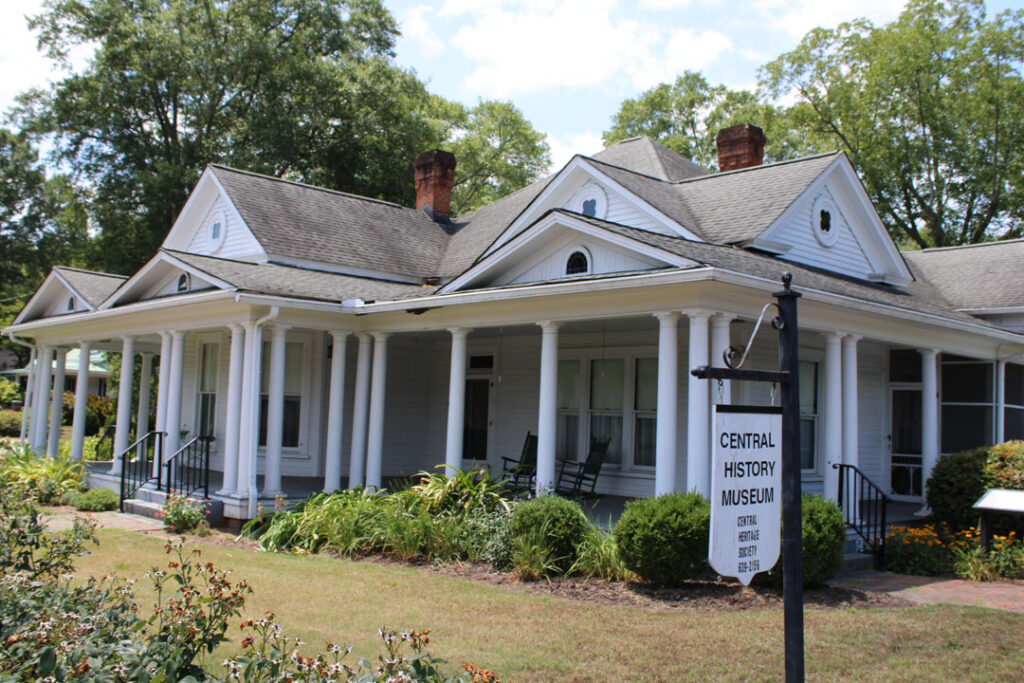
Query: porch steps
column 148, row 502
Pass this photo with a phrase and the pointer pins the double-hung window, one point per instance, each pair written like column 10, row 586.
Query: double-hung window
column 808, row 415
column 209, row 353
column 293, row 377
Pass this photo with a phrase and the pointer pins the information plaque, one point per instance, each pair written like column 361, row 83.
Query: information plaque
column 746, row 490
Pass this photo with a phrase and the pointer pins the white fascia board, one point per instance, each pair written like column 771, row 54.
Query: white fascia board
column 205, row 178
column 160, row 257
column 1005, row 310
column 552, row 220
column 580, row 163
column 36, row 297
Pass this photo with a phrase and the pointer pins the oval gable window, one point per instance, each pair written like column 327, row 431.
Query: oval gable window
column 577, row 264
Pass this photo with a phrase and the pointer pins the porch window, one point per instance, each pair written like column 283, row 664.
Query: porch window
column 292, row 393
column 606, row 383
column 645, row 416
column 568, row 406
column 209, row 354
column 1013, row 412
column 967, row 403
column 808, row 414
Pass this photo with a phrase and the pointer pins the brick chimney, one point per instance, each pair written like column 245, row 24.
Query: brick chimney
column 434, row 173
column 740, row 147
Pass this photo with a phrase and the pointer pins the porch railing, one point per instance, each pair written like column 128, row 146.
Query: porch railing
column 864, row 508
column 188, row 470
column 144, row 467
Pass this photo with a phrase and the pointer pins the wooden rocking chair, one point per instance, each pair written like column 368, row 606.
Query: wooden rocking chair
column 578, row 479
column 518, row 474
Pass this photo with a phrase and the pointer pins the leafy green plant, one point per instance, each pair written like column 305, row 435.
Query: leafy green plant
column 923, row 550
column 823, row 535
column 533, row 554
column 488, row 537
column 181, row 514
column 957, row 481
column 10, row 422
column 558, row 524
column 460, row 492
column 1004, row 466
column 598, row 556
column 97, row 500
column 47, row 478
column 664, row 540
column 9, row 394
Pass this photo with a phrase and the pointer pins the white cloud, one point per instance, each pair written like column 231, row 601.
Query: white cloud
column 663, row 5
column 564, row 147
column 416, row 29
column 536, row 46
column 797, row 17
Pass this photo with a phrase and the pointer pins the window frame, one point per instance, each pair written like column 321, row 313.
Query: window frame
column 203, row 340
column 306, row 433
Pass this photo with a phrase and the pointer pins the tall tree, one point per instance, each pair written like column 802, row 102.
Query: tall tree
column 930, row 109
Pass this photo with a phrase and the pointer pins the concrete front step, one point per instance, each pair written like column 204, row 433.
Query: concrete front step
column 856, row 562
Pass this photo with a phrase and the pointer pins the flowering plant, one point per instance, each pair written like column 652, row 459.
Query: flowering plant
column 181, row 514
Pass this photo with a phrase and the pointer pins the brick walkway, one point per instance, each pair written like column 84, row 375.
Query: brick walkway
column 927, row 590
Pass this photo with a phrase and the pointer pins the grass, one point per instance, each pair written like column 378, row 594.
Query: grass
column 526, row 637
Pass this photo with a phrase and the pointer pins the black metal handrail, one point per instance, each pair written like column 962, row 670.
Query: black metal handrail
column 864, row 506
column 188, row 470
column 146, row 466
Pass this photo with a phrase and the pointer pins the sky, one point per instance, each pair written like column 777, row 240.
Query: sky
column 567, row 64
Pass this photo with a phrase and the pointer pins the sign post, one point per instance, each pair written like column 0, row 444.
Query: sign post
column 788, row 378
column 746, row 490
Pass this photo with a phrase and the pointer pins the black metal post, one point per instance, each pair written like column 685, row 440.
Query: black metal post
column 792, row 559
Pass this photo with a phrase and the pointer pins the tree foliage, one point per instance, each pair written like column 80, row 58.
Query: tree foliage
column 930, row 108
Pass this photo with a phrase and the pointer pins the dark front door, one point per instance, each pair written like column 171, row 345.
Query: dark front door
column 478, row 402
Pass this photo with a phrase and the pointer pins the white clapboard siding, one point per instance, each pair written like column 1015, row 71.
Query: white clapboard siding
column 625, row 212
column 59, row 304
column 871, row 402
column 602, row 258
column 239, row 242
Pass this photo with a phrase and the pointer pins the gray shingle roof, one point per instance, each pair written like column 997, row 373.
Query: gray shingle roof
column 644, row 155
column 92, row 286
column 290, row 281
column 297, row 222
column 974, row 277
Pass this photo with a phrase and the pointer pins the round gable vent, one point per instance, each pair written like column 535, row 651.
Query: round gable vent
column 591, row 201
column 825, row 221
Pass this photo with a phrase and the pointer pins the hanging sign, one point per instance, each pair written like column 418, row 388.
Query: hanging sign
column 746, row 490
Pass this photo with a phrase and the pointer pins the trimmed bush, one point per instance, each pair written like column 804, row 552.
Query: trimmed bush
column 10, row 423
column 1004, row 467
column 665, row 539
column 96, row 500
column 957, row 481
column 822, row 539
column 560, row 522
column 10, row 395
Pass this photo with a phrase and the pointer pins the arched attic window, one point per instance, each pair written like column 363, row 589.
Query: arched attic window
column 183, row 282
column 577, row 264
column 71, row 303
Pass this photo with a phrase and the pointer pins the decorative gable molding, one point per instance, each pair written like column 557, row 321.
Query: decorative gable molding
column 210, row 225
column 579, row 181
column 541, row 253
column 832, row 225
column 53, row 298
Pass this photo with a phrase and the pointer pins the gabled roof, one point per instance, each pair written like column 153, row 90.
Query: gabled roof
column 92, row 286
column 974, row 277
column 301, row 223
column 289, row 281
column 644, row 155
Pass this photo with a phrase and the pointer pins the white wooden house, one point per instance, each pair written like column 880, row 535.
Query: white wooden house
column 327, row 340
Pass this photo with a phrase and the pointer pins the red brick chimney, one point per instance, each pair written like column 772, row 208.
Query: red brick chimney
column 434, row 173
column 740, row 147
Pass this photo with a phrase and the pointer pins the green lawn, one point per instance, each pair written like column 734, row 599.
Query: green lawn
column 527, row 637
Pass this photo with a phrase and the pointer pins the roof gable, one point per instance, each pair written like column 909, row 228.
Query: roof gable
column 163, row 276
column 67, row 291
column 541, row 253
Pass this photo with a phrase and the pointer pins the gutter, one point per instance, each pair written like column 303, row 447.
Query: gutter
column 29, row 381
column 253, row 446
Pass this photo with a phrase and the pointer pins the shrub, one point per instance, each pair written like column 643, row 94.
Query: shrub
column 488, row 537
column 181, row 514
column 9, row 393
column 822, row 540
column 47, row 478
column 97, row 500
column 1004, row 467
column 957, row 481
column 665, row 539
column 557, row 524
column 924, row 550
column 10, row 423
column 67, row 407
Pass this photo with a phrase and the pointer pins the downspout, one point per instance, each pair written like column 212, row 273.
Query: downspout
column 254, row 445
column 29, row 381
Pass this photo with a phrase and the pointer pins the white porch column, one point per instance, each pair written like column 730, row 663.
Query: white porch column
column 162, row 380
column 547, row 423
column 41, row 407
column 26, row 406
column 456, row 402
column 668, row 385
column 851, row 440
column 1000, row 401
column 232, row 451
column 832, row 413
column 335, row 412
column 81, row 401
column 375, row 434
column 142, row 413
column 698, row 427
column 57, row 403
column 172, row 424
column 929, row 415
column 124, row 403
column 361, row 408
column 720, row 341
column 275, row 413
column 249, row 413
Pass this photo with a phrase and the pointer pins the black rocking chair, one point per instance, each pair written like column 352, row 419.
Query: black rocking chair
column 518, row 474
column 578, row 479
